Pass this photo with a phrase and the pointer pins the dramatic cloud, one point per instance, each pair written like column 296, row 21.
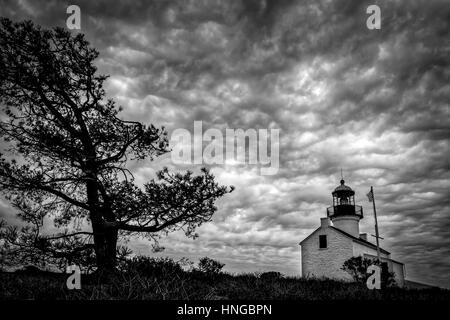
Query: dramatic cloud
column 373, row 102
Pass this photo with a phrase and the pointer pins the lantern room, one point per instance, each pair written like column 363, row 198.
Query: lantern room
column 344, row 203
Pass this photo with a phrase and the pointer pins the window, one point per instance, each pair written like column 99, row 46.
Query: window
column 323, row 242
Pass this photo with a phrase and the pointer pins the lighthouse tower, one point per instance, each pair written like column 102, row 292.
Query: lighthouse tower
column 344, row 214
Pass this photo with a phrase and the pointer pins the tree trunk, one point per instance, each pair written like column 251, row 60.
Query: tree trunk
column 105, row 239
column 105, row 242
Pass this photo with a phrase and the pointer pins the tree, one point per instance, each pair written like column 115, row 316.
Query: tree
column 210, row 266
column 67, row 154
column 357, row 268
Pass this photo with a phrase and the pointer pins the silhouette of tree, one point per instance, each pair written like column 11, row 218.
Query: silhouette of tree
column 210, row 266
column 66, row 154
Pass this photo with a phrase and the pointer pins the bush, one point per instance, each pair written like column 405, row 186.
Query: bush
column 357, row 268
column 149, row 266
column 271, row 275
column 32, row 270
column 210, row 266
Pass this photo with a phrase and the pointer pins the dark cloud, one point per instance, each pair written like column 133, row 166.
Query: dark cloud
column 372, row 102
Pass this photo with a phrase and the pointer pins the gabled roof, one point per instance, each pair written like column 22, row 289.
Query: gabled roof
column 309, row 235
column 359, row 240
column 387, row 259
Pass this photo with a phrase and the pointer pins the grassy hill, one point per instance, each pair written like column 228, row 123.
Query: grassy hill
column 189, row 285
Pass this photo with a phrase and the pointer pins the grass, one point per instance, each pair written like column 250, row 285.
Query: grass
column 195, row 285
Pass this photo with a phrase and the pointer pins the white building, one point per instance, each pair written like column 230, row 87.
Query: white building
column 338, row 239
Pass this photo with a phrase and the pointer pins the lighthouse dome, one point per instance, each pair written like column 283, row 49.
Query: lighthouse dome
column 343, row 189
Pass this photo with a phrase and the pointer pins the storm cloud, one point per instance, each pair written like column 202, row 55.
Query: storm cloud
column 372, row 102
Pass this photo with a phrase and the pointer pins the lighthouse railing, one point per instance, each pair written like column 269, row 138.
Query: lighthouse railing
column 344, row 210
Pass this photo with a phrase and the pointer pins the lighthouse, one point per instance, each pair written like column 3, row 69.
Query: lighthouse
column 344, row 213
column 338, row 239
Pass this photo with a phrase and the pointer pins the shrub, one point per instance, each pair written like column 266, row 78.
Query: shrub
column 31, row 270
column 149, row 266
column 271, row 275
column 210, row 266
column 357, row 268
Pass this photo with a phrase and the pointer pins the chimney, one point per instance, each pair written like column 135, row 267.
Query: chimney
column 363, row 236
column 324, row 222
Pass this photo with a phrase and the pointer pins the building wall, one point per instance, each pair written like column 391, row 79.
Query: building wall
column 317, row 262
column 399, row 271
column 326, row 262
column 360, row 250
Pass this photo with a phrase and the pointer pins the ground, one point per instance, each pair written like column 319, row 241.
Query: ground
column 196, row 285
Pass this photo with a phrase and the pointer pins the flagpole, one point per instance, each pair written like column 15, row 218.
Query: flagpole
column 376, row 224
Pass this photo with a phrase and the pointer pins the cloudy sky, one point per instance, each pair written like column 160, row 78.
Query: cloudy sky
column 372, row 102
